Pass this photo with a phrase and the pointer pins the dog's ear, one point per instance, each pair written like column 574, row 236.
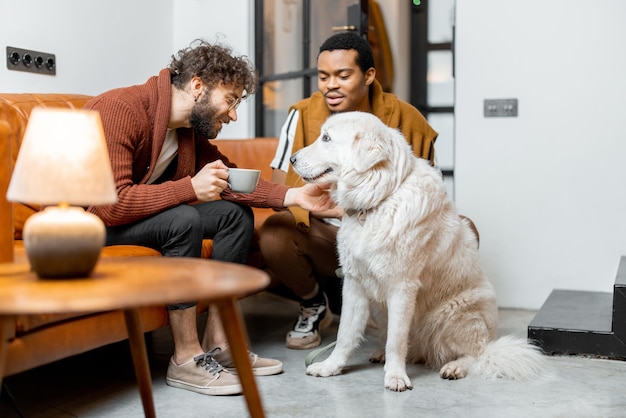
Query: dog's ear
column 368, row 150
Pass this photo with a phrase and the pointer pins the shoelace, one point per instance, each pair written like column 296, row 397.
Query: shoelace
column 228, row 362
column 209, row 363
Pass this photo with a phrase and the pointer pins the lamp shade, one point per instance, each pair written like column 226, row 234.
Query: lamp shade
column 63, row 159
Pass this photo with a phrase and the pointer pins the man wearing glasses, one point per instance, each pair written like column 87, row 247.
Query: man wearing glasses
column 173, row 192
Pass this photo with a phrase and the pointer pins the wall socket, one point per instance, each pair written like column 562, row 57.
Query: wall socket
column 19, row 59
column 500, row 108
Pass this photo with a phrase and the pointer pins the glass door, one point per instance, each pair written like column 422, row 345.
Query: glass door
column 288, row 34
column 432, row 84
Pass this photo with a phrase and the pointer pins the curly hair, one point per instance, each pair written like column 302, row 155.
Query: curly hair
column 350, row 40
column 214, row 64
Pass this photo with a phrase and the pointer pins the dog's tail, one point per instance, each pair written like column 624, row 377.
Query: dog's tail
column 510, row 357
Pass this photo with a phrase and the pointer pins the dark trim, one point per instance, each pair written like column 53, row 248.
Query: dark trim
column 306, row 47
column 440, row 109
column 290, row 75
column 453, row 49
column 364, row 14
column 420, row 47
column 442, row 46
column 259, row 37
column 418, row 62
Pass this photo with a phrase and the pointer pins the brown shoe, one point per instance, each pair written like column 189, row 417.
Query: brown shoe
column 203, row 374
column 260, row 366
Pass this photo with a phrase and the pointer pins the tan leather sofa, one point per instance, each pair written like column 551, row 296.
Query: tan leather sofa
column 41, row 339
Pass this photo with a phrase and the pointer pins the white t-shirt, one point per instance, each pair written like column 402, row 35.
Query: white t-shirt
column 285, row 142
column 168, row 152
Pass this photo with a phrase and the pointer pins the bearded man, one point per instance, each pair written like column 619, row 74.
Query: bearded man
column 173, row 191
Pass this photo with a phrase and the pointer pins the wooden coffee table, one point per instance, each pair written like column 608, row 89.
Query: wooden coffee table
column 130, row 283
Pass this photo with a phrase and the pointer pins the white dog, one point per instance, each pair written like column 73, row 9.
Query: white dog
column 403, row 247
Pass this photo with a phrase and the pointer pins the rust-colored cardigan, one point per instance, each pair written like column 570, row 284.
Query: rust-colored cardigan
column 135, row 123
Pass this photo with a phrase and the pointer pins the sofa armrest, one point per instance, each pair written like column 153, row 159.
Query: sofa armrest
column 6, row 208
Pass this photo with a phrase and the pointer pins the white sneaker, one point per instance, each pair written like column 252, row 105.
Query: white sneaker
column 306, row 330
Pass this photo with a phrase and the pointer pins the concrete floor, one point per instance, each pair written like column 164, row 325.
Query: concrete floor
column 101, row 383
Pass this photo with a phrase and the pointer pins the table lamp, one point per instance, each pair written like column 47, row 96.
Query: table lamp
column 63, row 161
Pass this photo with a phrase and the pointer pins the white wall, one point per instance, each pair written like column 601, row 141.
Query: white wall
column 98, row 45
column 546, row 189
column 230, row 22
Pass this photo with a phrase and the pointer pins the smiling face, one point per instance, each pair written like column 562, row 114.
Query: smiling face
column 214, row 108
column 342, row 82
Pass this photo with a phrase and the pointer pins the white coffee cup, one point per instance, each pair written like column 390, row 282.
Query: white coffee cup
column 243, row 180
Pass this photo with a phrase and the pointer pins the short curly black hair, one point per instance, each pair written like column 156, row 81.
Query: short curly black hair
column 350, row 40
column 214, row 64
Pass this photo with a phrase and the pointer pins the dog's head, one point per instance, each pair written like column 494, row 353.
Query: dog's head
column 357, row 152
column 351, row 142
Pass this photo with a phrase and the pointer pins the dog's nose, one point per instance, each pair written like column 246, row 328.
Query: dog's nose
column 293, row 159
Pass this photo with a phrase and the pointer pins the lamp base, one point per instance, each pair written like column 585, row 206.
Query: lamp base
column 63, row 242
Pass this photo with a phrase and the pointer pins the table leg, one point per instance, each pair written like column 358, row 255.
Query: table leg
column 5, row 325
column 140, row 360
column 238, row 341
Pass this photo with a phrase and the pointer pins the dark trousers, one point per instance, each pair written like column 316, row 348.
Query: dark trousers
column 179, row 231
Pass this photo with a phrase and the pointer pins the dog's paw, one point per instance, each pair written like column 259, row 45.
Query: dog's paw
column 453, row 370
column 378, row 356
column 397, row 383
column 323, row 369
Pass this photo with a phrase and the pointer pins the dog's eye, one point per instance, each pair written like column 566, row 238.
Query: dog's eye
column 325, row 138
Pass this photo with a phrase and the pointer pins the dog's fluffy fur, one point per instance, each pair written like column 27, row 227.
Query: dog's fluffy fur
column 404, row 250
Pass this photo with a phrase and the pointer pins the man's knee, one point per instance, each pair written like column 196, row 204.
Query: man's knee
column 185, row 220
column 183, row 233
column 282, row 221
column 277, row 231
column 232, row 231
column 245, row 217
column 237, row 223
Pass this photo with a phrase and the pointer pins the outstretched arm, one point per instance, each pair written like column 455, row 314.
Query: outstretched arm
column 311, row 197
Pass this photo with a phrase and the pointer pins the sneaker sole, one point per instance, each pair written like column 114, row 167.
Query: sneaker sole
column 295, row 346
column 261, row 371
column 326, row 321
column 215, row 391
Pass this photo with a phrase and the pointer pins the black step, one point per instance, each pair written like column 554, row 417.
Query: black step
column 584, row 323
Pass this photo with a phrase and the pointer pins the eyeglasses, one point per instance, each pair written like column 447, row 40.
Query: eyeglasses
column 233, row 103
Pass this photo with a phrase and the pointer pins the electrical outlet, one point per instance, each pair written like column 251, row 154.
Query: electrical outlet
column 500, row 108
column 19, row 59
